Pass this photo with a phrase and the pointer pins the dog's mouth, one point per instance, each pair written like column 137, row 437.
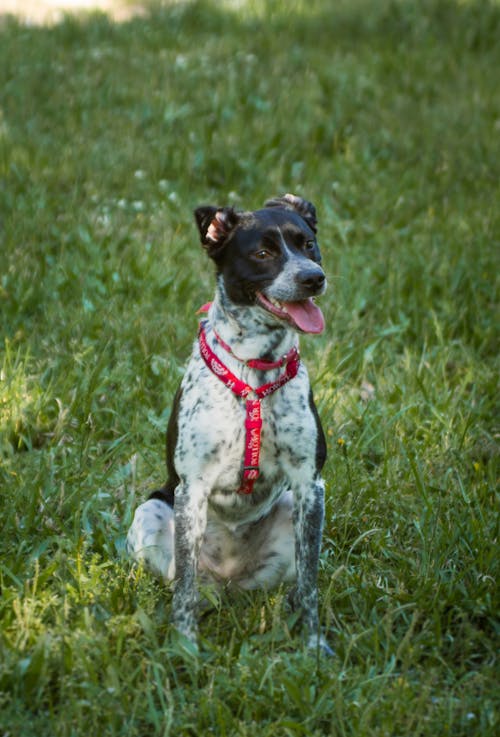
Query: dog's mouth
column 303, row 315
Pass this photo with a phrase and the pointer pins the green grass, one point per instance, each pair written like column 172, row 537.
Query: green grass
column 387, row 116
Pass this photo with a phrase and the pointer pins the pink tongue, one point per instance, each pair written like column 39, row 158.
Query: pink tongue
column 306, row 316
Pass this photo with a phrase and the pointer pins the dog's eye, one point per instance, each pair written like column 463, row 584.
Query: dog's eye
column 262, row 254
column 309, row 245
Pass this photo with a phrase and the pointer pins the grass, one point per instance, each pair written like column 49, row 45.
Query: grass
column 387, row 116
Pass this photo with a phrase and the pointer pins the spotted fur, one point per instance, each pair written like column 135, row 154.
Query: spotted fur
column 198, row 525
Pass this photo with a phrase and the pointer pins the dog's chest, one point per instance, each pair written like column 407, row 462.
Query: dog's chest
column 212, row 433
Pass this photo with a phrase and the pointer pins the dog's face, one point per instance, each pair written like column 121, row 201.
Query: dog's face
column 269, row 258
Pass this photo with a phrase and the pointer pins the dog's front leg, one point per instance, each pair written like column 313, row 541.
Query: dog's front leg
column 308, row 525
column 190, row 523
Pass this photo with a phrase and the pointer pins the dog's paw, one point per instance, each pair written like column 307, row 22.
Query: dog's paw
column 186, row 627
column 183, row 644
column 184, row 620
column 318, row 642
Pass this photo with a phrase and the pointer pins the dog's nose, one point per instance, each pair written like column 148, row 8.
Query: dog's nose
column 313, row 281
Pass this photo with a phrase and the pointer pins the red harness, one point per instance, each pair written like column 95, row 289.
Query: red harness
column 253, row 419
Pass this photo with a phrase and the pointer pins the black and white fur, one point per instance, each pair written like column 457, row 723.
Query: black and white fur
column 198, row 525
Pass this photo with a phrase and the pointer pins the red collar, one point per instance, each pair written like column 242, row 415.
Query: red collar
column 259, row 363
column 256, row 363
column 253, row 419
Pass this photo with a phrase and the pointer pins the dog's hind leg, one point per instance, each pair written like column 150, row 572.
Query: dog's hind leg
column 150, row 538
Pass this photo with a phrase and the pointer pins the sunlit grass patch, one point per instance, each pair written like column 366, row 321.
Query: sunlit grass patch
column 27, row 414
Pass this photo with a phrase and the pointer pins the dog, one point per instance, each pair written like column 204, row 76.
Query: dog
column 244, row 499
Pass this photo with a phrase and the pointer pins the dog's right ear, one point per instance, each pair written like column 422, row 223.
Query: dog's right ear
column 215, row 225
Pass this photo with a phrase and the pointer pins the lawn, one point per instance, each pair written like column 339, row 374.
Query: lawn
column 387, row 116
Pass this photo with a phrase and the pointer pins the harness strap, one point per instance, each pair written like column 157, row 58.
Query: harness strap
column 253, row 417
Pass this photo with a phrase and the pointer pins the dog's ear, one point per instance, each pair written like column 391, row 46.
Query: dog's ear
column 305, row 209
column 215, row 224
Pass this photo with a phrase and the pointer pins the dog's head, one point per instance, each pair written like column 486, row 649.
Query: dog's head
column 268, row 258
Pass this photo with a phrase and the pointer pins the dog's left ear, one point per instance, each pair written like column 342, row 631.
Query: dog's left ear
column 305, row 209
column 215, row 224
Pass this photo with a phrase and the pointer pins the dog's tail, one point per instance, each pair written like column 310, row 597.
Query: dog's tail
column 165, row 494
